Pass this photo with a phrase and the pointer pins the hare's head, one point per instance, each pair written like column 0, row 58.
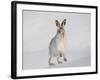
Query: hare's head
column 60, row 27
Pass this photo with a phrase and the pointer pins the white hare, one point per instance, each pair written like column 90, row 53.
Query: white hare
column 57, row 44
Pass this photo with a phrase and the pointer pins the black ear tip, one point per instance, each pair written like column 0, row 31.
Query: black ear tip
column 56, row 21
column 64, row 19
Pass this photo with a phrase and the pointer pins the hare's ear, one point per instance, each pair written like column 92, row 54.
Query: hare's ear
column 57, row 23
column 63, row 23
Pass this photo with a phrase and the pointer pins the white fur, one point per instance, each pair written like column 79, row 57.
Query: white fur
column 57, row 48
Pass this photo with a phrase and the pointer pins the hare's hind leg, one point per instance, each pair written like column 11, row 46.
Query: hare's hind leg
column 51, row 61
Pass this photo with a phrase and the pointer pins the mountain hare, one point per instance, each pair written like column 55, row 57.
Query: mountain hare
column 57, row 44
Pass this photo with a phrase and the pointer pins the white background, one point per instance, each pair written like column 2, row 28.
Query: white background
column 39, row 28
column 5, row 40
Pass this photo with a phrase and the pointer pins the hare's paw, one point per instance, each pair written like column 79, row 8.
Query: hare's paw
column 59, row 62
column 51, row 64
column 65, row 59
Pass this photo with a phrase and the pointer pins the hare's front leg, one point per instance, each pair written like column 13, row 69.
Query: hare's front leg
column 64, row 57
column 61, row 58
column 58, row 58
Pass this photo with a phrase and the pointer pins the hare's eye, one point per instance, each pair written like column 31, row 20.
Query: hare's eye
column 59, row 31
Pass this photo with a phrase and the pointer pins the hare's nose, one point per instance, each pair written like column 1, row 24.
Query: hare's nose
column 58, row 31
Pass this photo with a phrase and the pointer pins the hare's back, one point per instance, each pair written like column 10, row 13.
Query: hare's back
column 52, row 43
